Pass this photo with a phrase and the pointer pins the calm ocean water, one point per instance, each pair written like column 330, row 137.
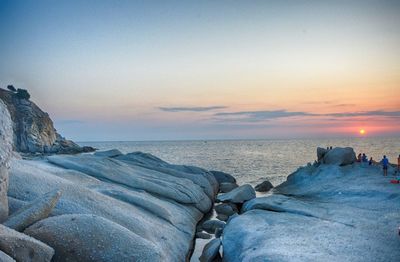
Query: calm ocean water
column 252, row 161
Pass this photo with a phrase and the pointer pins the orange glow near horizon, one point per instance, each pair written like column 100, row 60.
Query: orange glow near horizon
column 362, row 132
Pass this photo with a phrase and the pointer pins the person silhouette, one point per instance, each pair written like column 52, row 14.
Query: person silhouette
column 385, row 163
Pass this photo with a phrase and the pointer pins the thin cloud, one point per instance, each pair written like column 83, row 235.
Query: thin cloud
column 191, row 109
column 259, row 115
column 265, row 115
column 366, row 113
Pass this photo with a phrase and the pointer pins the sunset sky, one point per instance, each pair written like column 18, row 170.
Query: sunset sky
column 157, row 70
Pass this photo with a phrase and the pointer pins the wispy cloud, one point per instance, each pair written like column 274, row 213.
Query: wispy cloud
column 260, row 115
column 366, row 113
column 191, row 109
column 256, row 116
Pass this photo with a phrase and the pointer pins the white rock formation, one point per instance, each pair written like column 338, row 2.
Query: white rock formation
column 31, row 213
column 6, row 138
column 92, row 238
column 22, row 247
column 158, row 204
column 325, row 213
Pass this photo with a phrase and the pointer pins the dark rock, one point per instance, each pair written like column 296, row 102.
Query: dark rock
column 211, row 225
column 227, row 187
column 227, row 209
column 218, row 232
column 238, row 195
column 211, row 250
column 222, row 177
column 222, row 217
column 264, row 187
column 203, row 235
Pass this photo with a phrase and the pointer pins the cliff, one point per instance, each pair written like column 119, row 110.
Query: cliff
column 34, row 131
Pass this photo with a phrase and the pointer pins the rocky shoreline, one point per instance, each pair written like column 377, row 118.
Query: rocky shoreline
column 110, row 206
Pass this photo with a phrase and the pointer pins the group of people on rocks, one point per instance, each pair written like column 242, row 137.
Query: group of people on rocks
column 362, row 158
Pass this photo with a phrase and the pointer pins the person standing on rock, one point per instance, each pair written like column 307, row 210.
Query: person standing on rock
column 385, row 163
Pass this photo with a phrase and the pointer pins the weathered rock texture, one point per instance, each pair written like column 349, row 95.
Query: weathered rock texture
column 22, row 247
column 321, row 213
column 33, row 212
column 33, row 129
column 6, row 137
column 126, row 208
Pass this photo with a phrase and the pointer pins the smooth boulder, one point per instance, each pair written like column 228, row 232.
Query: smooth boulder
column 238, row 195
column 264, row 186
column 33, row 212
column 226, row 187
column 223, row 177
column 92, row 238
column 22, row 247
column 340, row 156
column 227, row 209
column 211, row 250
column 6, row 138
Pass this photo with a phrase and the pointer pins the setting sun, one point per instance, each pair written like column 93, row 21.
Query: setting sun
column 362, row 131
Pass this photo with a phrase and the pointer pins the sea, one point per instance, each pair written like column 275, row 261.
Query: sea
column 253, row 161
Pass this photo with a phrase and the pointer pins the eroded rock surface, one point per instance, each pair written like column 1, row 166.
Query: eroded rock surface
column 321, row 213
column 6, row 137
column 22, row 247
column 92, row 238
column 37, row 210
column 158, row 204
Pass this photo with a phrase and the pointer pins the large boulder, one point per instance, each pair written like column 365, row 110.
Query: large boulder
column 6, row 137
column 92, row 238
column 264, row 186
column 33, row 129
column 223, row 177
column 22, row 247
column 211, row 250
column 340, row 156
column 36, row 210
column 238, row 195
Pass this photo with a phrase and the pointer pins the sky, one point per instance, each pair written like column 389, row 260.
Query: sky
column 177, row 70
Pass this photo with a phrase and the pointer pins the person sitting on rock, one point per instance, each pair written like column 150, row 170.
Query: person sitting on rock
column 385, row 163
column 364, row 158
column 359, row 158
column 371, row 161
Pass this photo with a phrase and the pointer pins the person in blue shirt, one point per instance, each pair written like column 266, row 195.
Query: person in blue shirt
column 385, row 163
